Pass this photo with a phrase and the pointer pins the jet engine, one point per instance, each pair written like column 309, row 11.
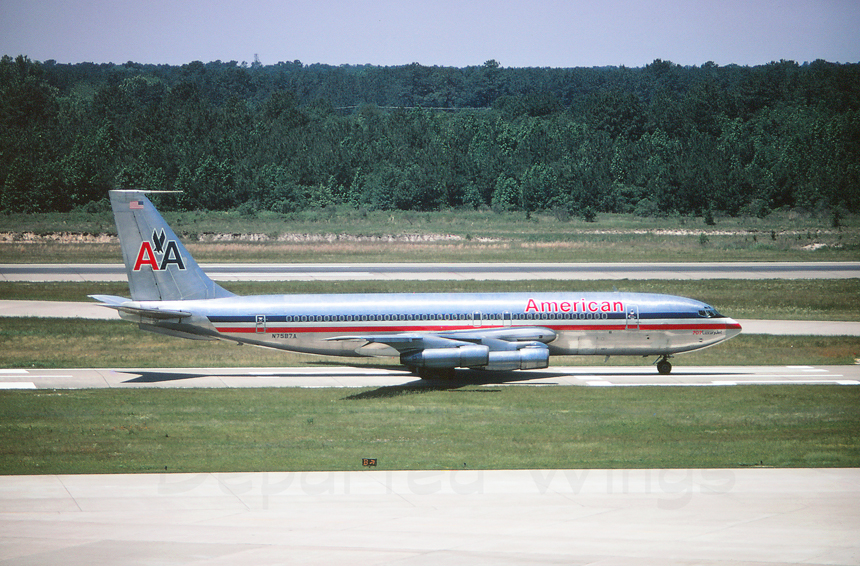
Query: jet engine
column 533, row 356
column 463, row 356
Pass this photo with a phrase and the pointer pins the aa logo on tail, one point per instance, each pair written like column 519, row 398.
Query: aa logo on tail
column 160, row 247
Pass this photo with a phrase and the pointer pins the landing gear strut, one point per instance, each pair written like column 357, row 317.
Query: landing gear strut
column 663, row 366
column 434, row 373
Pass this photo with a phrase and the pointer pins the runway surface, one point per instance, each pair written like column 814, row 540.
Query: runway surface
column 449, row 271
column 585, row 517
column 346, row 376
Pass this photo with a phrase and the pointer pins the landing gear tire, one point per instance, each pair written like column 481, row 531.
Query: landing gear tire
column 664, row 367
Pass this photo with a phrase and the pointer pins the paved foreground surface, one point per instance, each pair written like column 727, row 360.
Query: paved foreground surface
column 344, row 376
column 453, row 271
column 584, row 517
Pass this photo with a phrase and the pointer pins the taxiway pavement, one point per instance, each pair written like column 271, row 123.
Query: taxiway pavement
column 679, row 517
column 357, row 376
column 453, row 271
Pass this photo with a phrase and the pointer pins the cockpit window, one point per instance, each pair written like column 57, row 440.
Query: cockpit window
column 710, row 312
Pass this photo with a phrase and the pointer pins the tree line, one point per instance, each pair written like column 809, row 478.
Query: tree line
column 653, row 140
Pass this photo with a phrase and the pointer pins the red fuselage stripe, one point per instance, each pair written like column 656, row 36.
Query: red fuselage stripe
column 439, row 328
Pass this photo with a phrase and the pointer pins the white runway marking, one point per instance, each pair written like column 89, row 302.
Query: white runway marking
column 791, row 382
column 17, row 385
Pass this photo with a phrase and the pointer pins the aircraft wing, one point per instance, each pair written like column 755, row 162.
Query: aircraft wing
column 491, row 348
column 508, row 334
column 406, row 342
column 496, row 338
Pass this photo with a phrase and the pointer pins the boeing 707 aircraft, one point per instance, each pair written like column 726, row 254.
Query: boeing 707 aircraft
column 431, row 333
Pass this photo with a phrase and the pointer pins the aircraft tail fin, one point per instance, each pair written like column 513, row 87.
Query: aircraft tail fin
column 158, row 266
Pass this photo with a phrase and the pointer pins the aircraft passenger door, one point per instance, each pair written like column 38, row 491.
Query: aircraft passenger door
column 632, row 317
column 506, row 319
column 477, row 319
column 261, row 323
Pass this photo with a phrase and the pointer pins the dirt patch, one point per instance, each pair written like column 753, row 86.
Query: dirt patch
column 413, row 238
column 294, row 238
column 329, row 238
column 56, row 237
column 700, row 231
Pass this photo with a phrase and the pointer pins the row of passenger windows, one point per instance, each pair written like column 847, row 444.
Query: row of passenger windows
column 431, row 317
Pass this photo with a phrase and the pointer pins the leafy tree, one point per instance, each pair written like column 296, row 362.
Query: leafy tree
column 506, row 194
column 539, row 189
column 735, row 140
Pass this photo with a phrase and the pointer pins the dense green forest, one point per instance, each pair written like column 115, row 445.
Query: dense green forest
column 653, row 140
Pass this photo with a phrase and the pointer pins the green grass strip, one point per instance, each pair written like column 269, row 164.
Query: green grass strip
column 482, row 236
column 215, row 430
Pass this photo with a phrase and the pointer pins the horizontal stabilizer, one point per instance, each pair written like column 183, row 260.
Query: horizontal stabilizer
column 135, row 308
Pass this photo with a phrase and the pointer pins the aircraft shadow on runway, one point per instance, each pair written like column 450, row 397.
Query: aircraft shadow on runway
column 462, row 378
column 162, row 376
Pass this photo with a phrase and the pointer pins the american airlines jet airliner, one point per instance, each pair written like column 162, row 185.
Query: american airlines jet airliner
column 430, row 333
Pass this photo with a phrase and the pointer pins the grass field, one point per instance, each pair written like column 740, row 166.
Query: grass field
column 116, row 431
column 344, row 234
column 461, row 222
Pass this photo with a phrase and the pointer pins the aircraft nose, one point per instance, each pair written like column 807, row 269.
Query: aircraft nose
column 733, row 328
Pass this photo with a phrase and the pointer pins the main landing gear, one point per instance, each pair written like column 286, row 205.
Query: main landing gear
column 663, row 365
column 445, row 374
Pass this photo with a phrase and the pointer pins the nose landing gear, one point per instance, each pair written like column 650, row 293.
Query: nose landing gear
column 663, row 365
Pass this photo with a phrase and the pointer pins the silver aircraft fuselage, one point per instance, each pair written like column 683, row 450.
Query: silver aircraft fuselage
column 432, row 333
column 579, row 324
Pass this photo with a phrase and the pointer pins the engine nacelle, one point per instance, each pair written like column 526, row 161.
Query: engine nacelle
column 530, row 357
column 462, row 357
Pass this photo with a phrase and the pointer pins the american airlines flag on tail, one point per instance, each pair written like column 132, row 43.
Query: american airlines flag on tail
column 136, row 205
